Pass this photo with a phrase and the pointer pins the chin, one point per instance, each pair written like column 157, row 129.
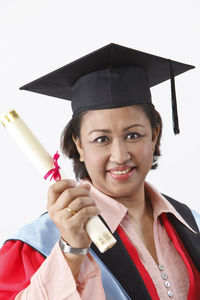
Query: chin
column 119, row 190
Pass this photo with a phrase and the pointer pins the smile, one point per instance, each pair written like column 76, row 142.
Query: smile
column 121, row 172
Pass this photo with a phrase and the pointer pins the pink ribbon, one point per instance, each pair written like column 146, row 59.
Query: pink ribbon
column 55, row 171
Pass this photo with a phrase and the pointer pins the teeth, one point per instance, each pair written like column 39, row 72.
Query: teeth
column 121, row 172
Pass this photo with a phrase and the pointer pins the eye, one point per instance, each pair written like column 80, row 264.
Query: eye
column 101, row 139
column 132, row 136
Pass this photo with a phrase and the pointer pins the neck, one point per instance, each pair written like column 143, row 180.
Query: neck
column 138, row 206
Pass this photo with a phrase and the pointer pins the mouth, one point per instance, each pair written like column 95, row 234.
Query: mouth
column 122, row 173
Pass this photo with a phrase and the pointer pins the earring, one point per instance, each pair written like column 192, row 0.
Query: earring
column 81, row 159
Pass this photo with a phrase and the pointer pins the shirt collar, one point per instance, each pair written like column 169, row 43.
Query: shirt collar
column 113, row 211
column 161, row 205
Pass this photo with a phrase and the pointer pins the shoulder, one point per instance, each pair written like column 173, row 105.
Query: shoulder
column 189, row 215
column 197, row 217
column 41, row 234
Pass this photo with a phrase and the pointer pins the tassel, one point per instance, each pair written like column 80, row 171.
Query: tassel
column 174, row 103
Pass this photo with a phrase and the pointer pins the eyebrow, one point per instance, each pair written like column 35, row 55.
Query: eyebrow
column 109, row 131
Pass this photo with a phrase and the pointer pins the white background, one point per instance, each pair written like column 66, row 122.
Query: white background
column 38, row 36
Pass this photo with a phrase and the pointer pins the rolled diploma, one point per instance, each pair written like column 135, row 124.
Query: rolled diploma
column 43, row 161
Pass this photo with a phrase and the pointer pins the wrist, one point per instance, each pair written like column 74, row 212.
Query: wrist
column 67, row 249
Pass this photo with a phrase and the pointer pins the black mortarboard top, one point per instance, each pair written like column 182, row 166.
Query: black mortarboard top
column 112, row 76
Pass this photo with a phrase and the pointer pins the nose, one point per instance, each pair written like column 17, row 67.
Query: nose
column 119, row 152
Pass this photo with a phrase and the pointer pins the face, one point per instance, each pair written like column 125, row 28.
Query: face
column 117, row 148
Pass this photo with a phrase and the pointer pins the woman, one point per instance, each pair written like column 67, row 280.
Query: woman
column 113, row 139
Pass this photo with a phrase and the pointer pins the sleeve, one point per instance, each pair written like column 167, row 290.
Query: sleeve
column 53, row 280
column 18, row 262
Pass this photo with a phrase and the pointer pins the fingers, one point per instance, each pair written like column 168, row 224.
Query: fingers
column 70, row 195
column 63, row 196
column 57, row 188
column 66, row 195
column 80, row 203
column 85, row 213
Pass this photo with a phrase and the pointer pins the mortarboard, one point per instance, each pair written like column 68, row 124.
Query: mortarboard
column 112, row 76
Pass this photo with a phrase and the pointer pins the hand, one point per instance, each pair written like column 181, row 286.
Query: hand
column 65, row 194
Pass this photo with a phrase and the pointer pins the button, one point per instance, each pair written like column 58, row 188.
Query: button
column 167, row 284
column 170, row 294
column 161, row 267
column 164, row 276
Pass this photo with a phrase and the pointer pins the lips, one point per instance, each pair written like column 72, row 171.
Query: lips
column 124, row 169
column 122, row 173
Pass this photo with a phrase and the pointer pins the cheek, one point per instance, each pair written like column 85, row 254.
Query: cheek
column 145, row 153
column 94, row 159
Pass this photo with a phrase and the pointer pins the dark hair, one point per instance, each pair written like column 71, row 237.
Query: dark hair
column 68, row 146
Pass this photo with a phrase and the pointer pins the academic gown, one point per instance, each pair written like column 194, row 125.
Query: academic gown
column 28, row 248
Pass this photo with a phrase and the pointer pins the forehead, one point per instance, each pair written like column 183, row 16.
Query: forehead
column 115, row 118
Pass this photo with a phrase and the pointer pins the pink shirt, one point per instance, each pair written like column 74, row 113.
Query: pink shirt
column 54, row 280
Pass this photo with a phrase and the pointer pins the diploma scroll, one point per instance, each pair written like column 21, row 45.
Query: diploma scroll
column 43, row 161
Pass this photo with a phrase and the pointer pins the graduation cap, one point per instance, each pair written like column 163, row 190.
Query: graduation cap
column 112, row 76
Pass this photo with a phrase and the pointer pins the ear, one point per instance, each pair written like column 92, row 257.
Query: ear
column 155, row 135
column 79, row 148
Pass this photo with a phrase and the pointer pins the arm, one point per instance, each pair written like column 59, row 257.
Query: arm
column 70, row 207
column 53, row 280
column 18, row 262
column 81, row 274
column 50, row 278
